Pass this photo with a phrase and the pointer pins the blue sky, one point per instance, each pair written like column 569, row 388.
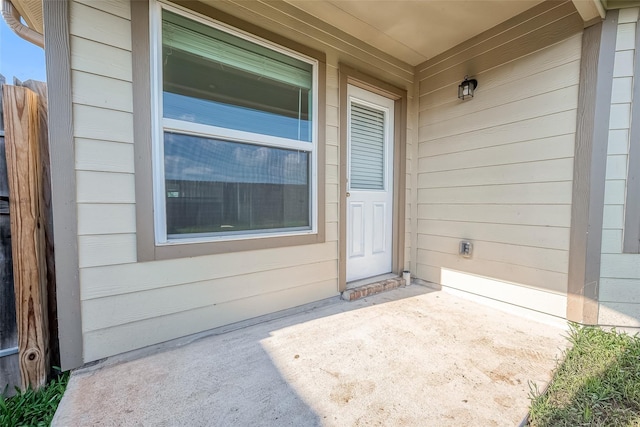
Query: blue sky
column 19, row 58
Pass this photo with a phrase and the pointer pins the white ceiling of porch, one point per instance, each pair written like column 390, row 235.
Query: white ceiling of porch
column 414, row 30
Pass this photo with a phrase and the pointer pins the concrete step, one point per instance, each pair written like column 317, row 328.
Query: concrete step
column 372, row 288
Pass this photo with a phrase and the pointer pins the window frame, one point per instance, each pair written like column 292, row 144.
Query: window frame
column 160, row 125
column 142, row 27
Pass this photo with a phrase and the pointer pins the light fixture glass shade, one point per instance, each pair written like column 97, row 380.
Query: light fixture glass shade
column 467, row 88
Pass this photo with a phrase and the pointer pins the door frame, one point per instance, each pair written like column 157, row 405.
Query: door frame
column 351, row 76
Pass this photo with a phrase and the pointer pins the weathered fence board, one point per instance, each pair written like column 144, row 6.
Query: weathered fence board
column 9, row 366
column 40, row 89
column 24, row 167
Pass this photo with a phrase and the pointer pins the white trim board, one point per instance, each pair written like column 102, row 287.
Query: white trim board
column 541, row 306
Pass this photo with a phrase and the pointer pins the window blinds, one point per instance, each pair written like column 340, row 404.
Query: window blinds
column 367, row 148
column 201, row 40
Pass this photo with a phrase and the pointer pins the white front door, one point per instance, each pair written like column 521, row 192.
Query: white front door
column 369, row 184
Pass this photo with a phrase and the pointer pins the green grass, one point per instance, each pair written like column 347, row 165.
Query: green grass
column 33, row 408
column 597, row 383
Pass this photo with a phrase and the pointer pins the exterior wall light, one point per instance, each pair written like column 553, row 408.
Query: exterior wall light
column 467, row 87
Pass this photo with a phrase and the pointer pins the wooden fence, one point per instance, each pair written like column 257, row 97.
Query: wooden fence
column 28, row 332
column 9, row 367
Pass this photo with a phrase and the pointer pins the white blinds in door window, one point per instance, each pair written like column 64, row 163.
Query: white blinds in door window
column 367, row 148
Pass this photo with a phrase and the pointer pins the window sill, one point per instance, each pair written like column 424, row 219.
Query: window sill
column 181, row 249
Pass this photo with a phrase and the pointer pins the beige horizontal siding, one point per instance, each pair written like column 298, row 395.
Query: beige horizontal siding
column 101, row 59
column 131, row 307
column 331, row 134
column 534, row 194
column 332, row 160
column 514, row 214
column 519, row 235
column 131, row 336
column 104, row 156
column 127, row 304
column 332, row 115
column 331, row 193
column 102, row 123
column 517, row 110
column 94, row 24
column 331, row 212
column 520, row 173
column 534, row 278
column 551, row 148
column 527, row 67
column 107, row 249
column 331, row 232
column 106, row 218
column 105, row 187
column 498, row 169
column 107, row 281
column 546, row 81
column 332, row 155
column 113, row 7
column 528, row 256
column 107, row 93
column 534, row 129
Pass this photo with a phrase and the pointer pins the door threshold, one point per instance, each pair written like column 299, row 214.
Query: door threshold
column 369, row 280
column 371, row 286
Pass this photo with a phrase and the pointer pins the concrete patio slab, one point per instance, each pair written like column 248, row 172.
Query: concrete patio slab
column 408, row 357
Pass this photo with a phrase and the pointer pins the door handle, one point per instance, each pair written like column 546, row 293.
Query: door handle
column 348, row 194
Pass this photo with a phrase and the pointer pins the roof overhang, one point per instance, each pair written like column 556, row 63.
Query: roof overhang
column 590, row 10
column 31, row 12
column 417, row 30
column 410, row 30
column 620, row 4
column 414, row 30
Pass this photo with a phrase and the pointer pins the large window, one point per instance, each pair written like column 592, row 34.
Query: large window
column 236, row 133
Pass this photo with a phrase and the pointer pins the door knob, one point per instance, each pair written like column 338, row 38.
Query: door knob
column 348, row 194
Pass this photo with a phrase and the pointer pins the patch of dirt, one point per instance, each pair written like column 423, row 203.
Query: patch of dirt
column 343, row 393
column 503, row 400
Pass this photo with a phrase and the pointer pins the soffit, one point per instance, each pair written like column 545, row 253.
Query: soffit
column 414, row 30
column 31, row 12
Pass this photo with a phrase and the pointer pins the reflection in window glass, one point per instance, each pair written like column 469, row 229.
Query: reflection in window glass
column 222, row 187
